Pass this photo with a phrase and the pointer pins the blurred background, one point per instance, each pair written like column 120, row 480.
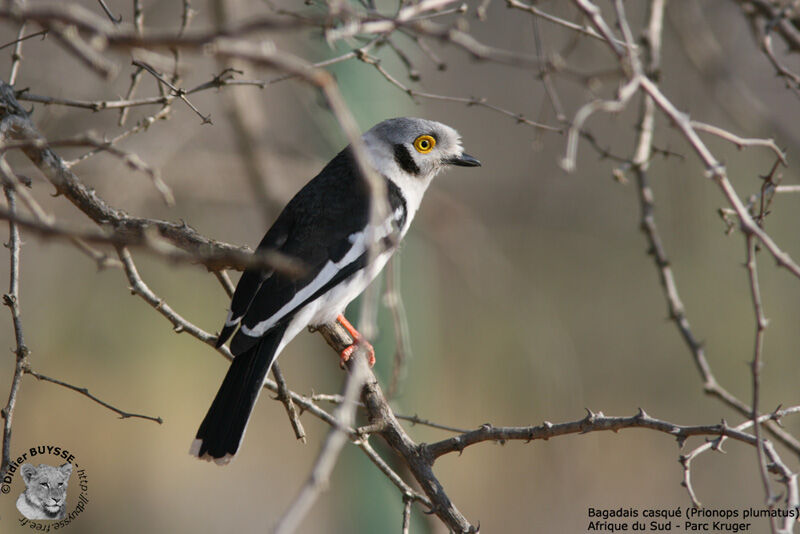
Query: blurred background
column 528, row 290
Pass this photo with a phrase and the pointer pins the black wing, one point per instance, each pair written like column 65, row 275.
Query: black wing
column 315, row 227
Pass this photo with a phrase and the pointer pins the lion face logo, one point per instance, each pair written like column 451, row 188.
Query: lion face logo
column 45, row 496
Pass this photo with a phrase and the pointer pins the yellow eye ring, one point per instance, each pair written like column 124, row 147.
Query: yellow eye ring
column 424, row 144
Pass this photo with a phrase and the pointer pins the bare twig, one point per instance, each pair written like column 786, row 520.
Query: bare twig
column 85, row 392
column 469, row 101
column 12, row 181
column 179, row 324
column 245, row 118
column 140, row 126
column 716, row 444
column 789, row 479
column 716, row 171
column 136, row 75
column 344, row 416
column 176, row 91
column 380, row 415
column 11, row 299
column 133, row 161
column 593, row 422
column 102, row 259
column 408, row 493
column 624, row 95
column 545, row 74
column 136, row 78
column 775, row 16
column 406, row 515
column 288, row 403
column 43, row 33
column 788, row 189
column 225, row 280
column 677, row 312
column 108, row 12
column 740, row 142
column 413, row 419
column 16, row 55
column 792, row 78
column 416, row 420
column 593, row 12
column 584, row 30
column 138, row 16
column 97, row 105
column 756, row 364
column 228, row 256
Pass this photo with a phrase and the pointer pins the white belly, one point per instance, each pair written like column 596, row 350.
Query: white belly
column 336, row 300
column 327, row 307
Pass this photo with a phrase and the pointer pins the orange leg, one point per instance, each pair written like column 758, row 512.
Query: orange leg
column 357, row 338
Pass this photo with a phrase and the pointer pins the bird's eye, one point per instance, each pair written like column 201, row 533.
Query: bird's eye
column 424, row 143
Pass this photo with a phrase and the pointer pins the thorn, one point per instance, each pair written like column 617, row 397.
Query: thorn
column 776, row 416
column 716, row 445
column 530, row 436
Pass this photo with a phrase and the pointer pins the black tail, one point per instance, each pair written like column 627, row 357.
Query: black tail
column 221, row 431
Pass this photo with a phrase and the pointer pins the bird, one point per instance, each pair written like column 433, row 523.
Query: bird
column 327, row 227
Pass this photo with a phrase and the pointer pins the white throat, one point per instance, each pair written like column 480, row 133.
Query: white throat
column 412, row 186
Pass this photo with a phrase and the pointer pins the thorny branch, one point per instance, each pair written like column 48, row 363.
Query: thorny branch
column 85, row 392
column 756, row 364
column 11, row 299
column 652, row 98
column 22, row 366
column 677, row 312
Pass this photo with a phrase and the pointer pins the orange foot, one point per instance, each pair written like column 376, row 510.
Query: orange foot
column 357, row 340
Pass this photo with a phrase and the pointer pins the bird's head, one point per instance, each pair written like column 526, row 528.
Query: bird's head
column 415, row 150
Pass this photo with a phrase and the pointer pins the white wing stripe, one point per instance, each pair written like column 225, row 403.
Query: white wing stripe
column 231, row 320
column 325, row 275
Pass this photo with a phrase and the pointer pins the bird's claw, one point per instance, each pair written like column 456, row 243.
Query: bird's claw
column 346, row 353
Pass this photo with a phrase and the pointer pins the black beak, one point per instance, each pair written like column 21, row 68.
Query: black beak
column 464, row 160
